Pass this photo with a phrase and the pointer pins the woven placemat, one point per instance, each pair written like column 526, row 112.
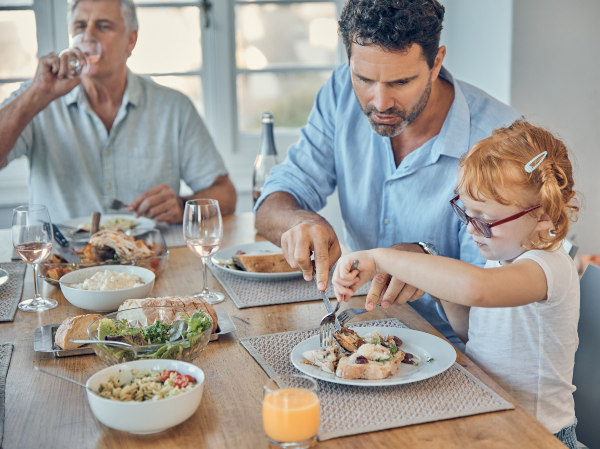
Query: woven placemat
column 252, row 293
column 173, row 235
column 10, row 292
column 5, row 353
column 349, row 410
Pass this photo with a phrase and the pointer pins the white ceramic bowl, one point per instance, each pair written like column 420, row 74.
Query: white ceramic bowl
column 107, row 300
column 149, row 416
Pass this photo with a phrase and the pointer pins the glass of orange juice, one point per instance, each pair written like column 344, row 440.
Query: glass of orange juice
column 291, row 412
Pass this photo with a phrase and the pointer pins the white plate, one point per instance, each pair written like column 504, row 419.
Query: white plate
column 227, row 253
column 142, row 227
column 426, row 346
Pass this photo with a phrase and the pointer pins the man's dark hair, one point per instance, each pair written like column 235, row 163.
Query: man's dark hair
column 394, row 25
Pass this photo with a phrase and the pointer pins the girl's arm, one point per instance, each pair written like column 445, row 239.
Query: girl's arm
column 459, row 318
column 516, row 284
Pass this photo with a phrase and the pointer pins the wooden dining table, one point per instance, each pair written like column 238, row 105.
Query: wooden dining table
column 43, row 411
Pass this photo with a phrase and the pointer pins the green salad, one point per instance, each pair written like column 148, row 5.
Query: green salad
column 177, row 337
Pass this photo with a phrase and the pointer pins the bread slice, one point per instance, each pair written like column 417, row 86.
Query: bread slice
column 348, row 368
column 148, row 317
column 74, row 328
column 265, row 262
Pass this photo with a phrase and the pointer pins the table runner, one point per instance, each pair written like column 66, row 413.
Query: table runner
column 5, row 353
column 252, row 293
column 10, row 291
column 349, row 410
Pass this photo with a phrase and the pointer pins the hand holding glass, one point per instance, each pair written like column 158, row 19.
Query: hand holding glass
column 203, row 231
column 291, row 411
column 32, row 239
column 84, row 50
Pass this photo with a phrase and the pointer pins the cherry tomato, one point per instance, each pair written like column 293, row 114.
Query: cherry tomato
column 181, row 381
column 190, row 378
column 166, row 374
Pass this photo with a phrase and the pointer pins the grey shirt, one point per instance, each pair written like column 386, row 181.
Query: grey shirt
column 157, row 137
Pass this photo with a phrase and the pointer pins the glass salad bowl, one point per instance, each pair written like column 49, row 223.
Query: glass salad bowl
column 155, row 332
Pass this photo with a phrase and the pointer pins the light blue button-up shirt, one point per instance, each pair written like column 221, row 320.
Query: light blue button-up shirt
column 383, row 204
column 157, row 137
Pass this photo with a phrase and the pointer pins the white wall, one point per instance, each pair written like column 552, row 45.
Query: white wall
column 555, row 70
column 478, row 36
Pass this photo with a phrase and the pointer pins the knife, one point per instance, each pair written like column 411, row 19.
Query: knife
column 328, row 305
column 63, row 247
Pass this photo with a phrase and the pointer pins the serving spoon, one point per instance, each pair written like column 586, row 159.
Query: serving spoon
column 107, row 343
column 37, row 368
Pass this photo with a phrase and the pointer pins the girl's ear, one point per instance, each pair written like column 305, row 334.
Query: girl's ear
column 544, row 223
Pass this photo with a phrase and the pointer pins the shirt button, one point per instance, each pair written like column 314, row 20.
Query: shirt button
column 386, row 221
column 107, row 153
column 390, row 183
column 108, row 186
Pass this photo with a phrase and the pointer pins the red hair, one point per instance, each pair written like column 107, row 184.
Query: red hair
column 495, row 169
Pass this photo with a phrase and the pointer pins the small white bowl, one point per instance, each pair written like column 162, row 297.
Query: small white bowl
column 149, row 416
column 105, row 300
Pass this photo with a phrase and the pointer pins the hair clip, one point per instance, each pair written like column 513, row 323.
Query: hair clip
column 541, row 157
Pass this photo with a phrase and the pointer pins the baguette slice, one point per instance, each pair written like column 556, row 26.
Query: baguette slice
column 148, row 317
column 348, row 369
column 75, row 328
column 265, row 262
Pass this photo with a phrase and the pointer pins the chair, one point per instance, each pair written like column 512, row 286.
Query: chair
column 586, row 374
column 570, row 248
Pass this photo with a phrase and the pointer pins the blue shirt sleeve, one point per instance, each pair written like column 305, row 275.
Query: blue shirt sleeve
column 309, row 173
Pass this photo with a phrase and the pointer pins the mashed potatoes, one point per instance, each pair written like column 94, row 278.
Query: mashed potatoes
column 110, row 280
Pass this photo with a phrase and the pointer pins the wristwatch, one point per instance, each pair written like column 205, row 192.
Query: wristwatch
column 428, row 248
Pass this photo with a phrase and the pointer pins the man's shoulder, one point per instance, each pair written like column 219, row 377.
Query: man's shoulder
column 486, row 112
column 157, row 93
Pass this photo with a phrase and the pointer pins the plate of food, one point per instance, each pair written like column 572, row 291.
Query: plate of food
column 375, row 356
column 260, row 261
column 78, row 229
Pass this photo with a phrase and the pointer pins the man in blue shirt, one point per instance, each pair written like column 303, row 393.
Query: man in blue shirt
column 388, row 130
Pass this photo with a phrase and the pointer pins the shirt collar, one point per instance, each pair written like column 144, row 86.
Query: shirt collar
column 455, row 134
column 132, row 94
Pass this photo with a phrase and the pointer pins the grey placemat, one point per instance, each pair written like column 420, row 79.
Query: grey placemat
column 5, row 353
column 349, row 410
column 173, row 235
column 10, row 292
column 246, row 292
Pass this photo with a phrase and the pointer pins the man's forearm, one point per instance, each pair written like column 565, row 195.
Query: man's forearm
column 280, row 212
column 15, row 116
column 223, row 191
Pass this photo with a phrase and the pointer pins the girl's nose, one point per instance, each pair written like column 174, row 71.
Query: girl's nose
column 471, row 229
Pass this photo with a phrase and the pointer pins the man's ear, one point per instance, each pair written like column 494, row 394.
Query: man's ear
column 437, row 63
column 132, row 40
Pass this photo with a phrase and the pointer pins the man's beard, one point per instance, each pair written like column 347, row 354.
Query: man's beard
column 406, row 117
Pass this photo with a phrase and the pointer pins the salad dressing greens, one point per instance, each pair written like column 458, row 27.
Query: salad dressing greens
column 184, row 333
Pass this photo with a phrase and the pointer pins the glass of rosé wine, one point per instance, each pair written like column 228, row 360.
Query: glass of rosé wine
column 32, row 240
column 203, row 231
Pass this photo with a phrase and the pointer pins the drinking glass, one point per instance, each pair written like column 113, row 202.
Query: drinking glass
column 291, row 411
column 32, row 240
column 84, row 50
column 203, row 231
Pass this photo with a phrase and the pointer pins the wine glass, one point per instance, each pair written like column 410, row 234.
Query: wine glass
column 84, row 50
column 203, row 231
column 32, row 240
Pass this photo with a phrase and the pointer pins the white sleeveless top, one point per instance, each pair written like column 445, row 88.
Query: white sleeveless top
column 530, row 350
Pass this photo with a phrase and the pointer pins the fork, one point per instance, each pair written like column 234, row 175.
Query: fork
column 327, row 328
column 114, row 204
column 348, row 314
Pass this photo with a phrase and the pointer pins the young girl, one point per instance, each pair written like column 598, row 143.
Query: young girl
column 519, row 315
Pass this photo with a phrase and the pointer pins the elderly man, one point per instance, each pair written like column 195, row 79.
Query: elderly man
column 110, row 134
column 388, row 130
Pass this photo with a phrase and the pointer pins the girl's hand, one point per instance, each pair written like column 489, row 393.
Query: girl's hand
column 346, row 279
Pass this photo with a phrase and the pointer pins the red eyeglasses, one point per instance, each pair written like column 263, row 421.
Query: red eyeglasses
column 482, row 227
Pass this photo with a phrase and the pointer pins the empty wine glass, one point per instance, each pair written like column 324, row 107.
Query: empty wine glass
column 203, row 231
column 32, row 240
column 84, row 50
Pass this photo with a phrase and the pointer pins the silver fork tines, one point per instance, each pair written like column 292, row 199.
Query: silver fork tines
column 114, row 204
column 327, row 328
column 348, row 314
